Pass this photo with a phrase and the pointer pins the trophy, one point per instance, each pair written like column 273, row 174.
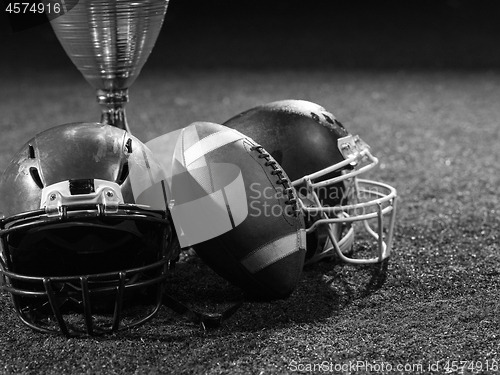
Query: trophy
column 109, row 41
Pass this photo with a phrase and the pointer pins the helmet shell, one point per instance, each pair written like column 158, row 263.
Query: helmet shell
column 67, row 152
column 301, row 135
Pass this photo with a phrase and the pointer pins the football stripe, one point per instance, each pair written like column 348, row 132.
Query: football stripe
column 210, row 143
column 272, row 252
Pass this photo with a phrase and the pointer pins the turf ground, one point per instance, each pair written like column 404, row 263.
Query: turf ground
column 436, row 132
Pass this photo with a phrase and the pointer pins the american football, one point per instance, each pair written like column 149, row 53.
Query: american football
column 262, row 249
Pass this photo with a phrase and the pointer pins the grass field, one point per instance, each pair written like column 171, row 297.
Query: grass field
column 434, row 308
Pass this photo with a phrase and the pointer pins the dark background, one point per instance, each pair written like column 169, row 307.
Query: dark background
column 292, row 34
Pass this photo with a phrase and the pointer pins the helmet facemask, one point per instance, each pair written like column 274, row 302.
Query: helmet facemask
column 63, row 277
column 334, row 201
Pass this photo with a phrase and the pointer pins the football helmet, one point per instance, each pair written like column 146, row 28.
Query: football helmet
column 85, row 237
column 323, row 161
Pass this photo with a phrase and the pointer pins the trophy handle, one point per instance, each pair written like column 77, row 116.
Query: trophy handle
column 112, row 104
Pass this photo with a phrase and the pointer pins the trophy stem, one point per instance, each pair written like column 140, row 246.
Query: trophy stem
column 113, row 103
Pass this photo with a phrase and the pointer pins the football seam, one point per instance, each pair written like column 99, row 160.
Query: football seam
column 273, row 184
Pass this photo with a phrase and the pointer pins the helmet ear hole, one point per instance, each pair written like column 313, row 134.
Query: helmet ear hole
column 36, row 177
column 315, row 117
column 339, row 124
column 328, row 119
column 31, row 152
column 123, row 174
column 128, row 146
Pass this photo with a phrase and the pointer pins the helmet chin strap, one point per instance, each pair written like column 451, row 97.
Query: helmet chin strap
column 205, row 320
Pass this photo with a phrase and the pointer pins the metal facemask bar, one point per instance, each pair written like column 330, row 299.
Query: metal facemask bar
column 116, row 292
column 84, row 201
column 382, row 204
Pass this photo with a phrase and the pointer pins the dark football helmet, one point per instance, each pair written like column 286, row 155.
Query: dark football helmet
column 85, row 234
column 323, row 161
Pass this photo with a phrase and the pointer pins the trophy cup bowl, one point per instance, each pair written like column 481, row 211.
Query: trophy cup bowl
column 109, row 41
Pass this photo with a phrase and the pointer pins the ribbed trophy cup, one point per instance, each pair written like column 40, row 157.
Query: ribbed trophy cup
column 109, row 41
